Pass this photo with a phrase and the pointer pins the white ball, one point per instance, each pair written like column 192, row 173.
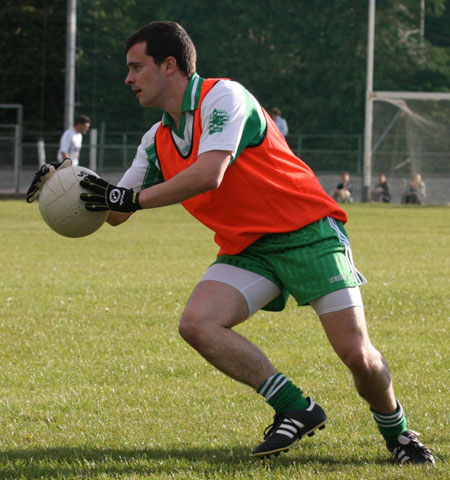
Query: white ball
column 61, row 207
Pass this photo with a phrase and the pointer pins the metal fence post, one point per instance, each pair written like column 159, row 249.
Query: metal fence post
column 93, row 150
column 102, row 148
column 41, row 151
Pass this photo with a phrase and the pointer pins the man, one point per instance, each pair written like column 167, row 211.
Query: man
column 216, row 151
column 381, row 191
column 415, row 192
column 280, row 122
column 343, row 191
column 72, row 139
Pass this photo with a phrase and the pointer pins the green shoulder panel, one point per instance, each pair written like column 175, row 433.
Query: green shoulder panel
column 153, row 174
column 255, row 125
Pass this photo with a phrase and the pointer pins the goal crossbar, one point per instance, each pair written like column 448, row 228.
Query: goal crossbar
column 384, row 95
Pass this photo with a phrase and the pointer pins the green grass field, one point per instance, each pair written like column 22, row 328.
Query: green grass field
column 96, row 383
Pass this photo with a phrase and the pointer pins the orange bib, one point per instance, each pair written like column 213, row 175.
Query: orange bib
column 267, row 189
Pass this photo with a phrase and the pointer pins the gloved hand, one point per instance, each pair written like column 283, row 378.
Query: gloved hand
column 108, row 197
column 42, row 175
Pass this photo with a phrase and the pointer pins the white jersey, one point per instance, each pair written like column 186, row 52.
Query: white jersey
column 282, row 125
column 232, row 119
column 70, row 143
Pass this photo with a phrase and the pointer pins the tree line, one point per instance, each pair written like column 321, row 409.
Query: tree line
column 307, row 58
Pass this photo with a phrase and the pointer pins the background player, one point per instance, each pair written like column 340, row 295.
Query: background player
column 72, row 140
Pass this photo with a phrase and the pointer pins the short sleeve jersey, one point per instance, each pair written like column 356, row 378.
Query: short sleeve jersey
column 232, row 120
column 266, row 188
column 70, row 143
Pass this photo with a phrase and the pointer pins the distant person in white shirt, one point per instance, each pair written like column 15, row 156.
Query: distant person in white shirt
column 72, row 139
column 280, row 122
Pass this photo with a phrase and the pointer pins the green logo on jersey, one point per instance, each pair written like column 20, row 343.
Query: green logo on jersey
column 217, row 121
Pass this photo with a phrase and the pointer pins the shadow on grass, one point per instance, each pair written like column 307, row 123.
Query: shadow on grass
column 68, row 462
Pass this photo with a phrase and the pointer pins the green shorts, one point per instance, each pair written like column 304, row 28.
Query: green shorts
column 307, row 263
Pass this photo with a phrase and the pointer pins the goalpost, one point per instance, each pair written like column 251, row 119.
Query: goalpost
column 413, row 127
column 14, row 136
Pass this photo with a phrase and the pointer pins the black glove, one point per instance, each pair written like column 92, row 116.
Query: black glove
column 107, row 196
column 42, row 175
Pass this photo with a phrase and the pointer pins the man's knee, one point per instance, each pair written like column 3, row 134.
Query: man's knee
column 190, row 327
column 363, row 360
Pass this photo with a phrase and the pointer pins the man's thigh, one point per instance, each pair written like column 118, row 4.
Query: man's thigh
column 233, row 294
column 308, row 263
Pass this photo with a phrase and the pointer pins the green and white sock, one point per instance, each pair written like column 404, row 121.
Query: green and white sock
column 282, row 394
column 390, row 425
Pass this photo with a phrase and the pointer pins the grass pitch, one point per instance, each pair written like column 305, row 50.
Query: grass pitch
column 96, row 383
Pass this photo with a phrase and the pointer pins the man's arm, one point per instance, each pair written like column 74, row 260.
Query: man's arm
column 116, row 218
column 203, row 175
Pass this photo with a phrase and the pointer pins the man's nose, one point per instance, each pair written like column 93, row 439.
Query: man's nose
column 128, row 79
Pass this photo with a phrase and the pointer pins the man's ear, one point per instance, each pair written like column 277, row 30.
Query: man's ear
column 170, row 65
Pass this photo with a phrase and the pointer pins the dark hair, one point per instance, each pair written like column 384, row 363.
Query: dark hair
column 166, row 39
column 276, row 111
column 82, row 119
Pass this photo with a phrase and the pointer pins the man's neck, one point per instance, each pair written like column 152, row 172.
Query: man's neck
column 174, row 102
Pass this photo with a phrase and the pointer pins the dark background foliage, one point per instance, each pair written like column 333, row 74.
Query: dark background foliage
column 308, row 58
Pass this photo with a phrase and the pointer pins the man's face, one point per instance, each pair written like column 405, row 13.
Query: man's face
column 82, row 127
column 145, row 78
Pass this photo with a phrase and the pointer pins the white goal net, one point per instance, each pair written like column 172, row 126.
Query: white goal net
column 405, row 133
column 411, row 133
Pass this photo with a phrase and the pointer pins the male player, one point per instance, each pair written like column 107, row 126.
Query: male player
column 72, row 140
column 219, row 153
